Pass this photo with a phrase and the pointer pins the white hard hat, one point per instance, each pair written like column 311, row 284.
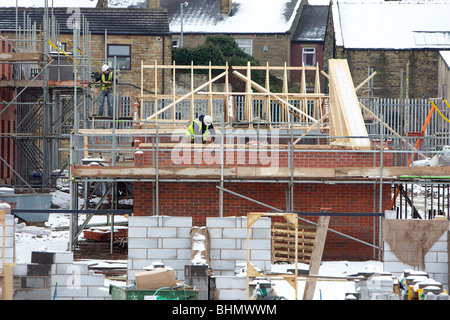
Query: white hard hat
column 207, row 120
column 105, row 67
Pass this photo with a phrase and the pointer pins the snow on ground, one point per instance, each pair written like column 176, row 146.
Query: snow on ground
column 53, row 238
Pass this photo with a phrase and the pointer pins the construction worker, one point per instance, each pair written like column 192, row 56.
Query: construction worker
column 106, row 79
column 200, row 128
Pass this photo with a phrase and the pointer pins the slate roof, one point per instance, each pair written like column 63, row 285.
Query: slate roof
column 312, row 24
column 116, row 20
column 246, row 16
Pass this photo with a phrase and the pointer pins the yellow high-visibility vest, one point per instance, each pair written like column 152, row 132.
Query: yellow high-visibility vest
column 190, row 129
column 103, row 79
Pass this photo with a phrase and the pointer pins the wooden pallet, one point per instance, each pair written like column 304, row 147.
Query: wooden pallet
column 283, row 242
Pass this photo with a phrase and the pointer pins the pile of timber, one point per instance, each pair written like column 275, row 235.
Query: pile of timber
column 283, row 242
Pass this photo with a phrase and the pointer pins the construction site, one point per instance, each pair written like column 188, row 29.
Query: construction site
column 291, row 179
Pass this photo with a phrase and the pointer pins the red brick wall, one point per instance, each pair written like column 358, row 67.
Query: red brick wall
column 7, row 123
column 201, row 200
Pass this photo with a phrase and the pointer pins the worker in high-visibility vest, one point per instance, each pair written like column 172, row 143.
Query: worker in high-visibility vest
column 200, row 128
column 106, row 79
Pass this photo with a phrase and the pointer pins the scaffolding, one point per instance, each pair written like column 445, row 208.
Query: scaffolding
column 55, row 130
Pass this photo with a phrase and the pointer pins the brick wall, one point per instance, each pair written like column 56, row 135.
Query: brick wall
column 200, row 200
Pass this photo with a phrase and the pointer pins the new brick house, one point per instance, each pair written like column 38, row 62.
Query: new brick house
column 400, row 40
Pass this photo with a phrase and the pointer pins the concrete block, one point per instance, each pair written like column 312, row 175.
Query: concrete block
column 63, row 257
column 20, row 295
column 162, row 232
column 64, row 292
column 142, row 243
column 34, row 282
column 169, row 221
column 261, row 223
column 176, row 264
column 142, row 221
column 20, row 269
column 225, row 222
column 214, row 254
column 183, row 232
column 71, row 269
column 431, row 257
column 176, row 243
column 436, row 267
column 158, row 254
column 223, row 244
column 231, row 282
column 222, row 265
column 260, row 255
column 230, row 295
column 234, row 255
column 137, row 253
column 42, row 294
column 96, row 280
column 184, row 254
column 216, row 233
column 261, row 233
column 234, row 233
column 42, row 257
column 137, row 232
column 257, row 244
column 39, row 269
column 98, row 292
column 442, row 257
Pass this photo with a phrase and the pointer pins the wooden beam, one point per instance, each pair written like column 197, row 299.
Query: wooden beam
column 20, row 56
column 316, row 258
column 180, row 171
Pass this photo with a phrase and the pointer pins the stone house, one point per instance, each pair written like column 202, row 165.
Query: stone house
column 262, row 29
column 307, row 41
column 444, row 75
column 399, row 40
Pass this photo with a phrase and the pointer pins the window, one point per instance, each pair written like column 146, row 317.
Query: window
column 122, row 52
column 245, row 45
column 175, row 43
column 309, row 56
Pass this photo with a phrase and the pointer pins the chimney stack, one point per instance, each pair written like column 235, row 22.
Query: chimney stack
column 153, row 4
column 225, row 6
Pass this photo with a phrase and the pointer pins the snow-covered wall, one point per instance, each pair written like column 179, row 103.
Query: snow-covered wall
column 436, row 261
column 9, row 240
column 167, row 239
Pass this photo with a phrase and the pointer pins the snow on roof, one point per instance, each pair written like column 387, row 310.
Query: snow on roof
column 41, row 3
column 391, row 25
column 247, row 16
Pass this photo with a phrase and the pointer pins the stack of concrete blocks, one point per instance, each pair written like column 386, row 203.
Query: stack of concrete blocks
column 229, row 249
column 436, row 261
column 9, row 240
column 167, row 239
column 57, row 270
column 229, row 243
column 163, row 239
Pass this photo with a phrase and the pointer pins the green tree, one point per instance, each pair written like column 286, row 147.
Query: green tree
column 219, row 50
